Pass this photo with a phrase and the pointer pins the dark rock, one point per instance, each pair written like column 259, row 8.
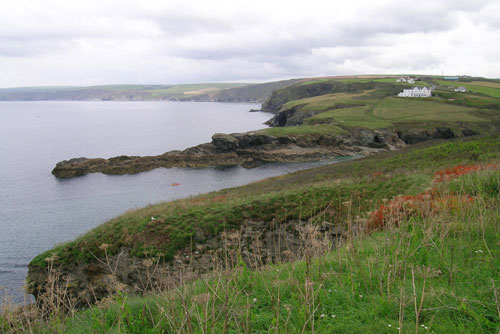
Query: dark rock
column 224, row 142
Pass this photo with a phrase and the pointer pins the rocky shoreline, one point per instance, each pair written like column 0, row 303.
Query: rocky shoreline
column 246, row 149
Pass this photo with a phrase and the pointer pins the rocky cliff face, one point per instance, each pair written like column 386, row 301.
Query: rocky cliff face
column 255, row 243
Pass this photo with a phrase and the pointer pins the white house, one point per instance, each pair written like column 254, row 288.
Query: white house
column 416, row 92
column 401, row 80
column 461, row 89
column 411, row 80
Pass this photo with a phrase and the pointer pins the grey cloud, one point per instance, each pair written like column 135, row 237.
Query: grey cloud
column 181, row 42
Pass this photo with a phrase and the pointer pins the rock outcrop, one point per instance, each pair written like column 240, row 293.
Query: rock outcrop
column 246, row 149
column 252, row 149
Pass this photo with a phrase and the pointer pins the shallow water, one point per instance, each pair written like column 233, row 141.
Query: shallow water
column 38, row 211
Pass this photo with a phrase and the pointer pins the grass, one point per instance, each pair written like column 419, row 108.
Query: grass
column 486, row 88
column 321, row 129
column 431, row 269
column 406, row 109
column 329, row 101
column 351, row 117
column 468, row 100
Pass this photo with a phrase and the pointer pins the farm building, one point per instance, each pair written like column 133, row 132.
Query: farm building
column 416, row 92
column 461, row 89
column 408, row 80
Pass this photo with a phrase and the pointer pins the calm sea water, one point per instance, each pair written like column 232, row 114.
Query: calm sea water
column 38, row 211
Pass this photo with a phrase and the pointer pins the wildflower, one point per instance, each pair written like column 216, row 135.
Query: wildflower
column 360, row 296
column 389, row 325
column 255, row 300
column 333, row 316
column 322, row 316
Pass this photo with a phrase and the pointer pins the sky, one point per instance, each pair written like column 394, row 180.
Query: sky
column 72, row 42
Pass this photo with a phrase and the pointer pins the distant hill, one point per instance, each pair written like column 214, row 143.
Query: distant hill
column 250, row 93
column 113, row 92
column 213, row 92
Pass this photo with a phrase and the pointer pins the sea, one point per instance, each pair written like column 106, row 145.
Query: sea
column 39, row 211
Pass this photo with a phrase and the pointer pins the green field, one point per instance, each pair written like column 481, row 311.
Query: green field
column 329, row 101
column 351, row 117
column 398, row 109
column 322, row 129
column 486, row 88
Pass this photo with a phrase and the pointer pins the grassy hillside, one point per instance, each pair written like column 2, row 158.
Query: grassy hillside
column 373, row 104
column 431, row 264
column 298, row 195
column 220, row 92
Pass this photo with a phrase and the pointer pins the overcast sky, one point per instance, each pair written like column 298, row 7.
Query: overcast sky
column 70, row 42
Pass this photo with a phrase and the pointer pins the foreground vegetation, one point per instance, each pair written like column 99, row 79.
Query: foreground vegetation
column 428, row 261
